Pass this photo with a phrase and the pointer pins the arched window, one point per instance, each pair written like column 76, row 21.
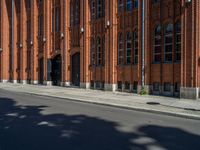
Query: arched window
column 168, row 42
column 128, row 5
column 135, row 4
column 178, row 41
column 120, row 6
column 92, row 9
column 157, row 44
column 120, row 49
column 128, row 47
column 135, row 46
column 77, row 14
column 92, row 52
column 71, row 14
column 99, row 54
column 103, row 50
column 100, row 8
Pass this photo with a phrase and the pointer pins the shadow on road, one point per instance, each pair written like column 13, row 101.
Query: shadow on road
column 26, row 128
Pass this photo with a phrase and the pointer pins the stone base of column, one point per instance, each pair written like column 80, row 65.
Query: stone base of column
column 14, row 81
column 110, row 87
column 189, row 93
column 85, row 85
column 65, row 84
column 4, row 81
column 47, row 83
column 23, row 81
column 34, row 81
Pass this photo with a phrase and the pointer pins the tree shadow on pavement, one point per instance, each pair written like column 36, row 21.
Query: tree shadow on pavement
column 26, row 128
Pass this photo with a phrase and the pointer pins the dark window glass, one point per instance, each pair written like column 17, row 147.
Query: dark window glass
column 168, row 43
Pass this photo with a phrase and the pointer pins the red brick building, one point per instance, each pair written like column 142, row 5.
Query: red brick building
column 97, row 44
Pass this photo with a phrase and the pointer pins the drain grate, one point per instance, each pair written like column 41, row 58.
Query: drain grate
column 153, row 103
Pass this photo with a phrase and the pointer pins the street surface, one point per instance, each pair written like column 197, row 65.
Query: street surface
column 30, row 122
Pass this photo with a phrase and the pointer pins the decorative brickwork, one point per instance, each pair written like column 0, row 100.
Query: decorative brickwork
column 98, row 44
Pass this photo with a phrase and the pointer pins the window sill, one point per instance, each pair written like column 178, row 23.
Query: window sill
column 177, row 62
column 156, row 63
column 170, row 62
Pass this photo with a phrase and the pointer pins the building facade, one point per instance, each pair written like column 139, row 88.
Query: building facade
column 97, row 44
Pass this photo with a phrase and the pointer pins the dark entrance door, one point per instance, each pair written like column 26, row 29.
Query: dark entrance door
column 41, row 71
column 56, row 70
column 75, row 69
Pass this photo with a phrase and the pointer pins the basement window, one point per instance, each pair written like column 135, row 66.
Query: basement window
column 127, row 85
column 119, row 84
column 167, row 87
column 156, row 86
column 177, row 87
column 92, row 84
column 135, row 85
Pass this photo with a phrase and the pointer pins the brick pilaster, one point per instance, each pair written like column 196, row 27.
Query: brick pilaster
column 34, row 39
column 66, row 44
column 23, row 42
column 4, row 41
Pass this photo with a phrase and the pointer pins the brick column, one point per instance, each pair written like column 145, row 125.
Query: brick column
column 47, row 45
column 4, row 42
column 190, row 50
column 84, row 44
column 34, row 40
column 111, row 46
column 66, row 43
column 23, row 44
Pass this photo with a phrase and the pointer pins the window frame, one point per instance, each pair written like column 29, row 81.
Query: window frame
column 128, row 49
column 178, row 43
column 157, row 36
column 99, row 52
column 135, row 46
column 168, row 35
column 120, row 50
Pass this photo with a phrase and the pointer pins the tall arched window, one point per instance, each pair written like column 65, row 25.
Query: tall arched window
column 128, row 5
column 128, row 47
column 71, row 14
column 103, row 50
column 135, row 4
column 157, row 44
column 120, row 49
column 77, row 14
column 99, row 54
column 168, row 43
column 92, row 9
column 100, row 8
column 135, row 46
column 178, row 41
column 120, row 6
column 92, row 52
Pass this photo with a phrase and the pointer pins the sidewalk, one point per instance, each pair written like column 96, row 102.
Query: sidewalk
column 154, row 104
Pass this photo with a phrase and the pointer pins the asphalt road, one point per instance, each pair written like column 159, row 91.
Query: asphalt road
column 30, row 122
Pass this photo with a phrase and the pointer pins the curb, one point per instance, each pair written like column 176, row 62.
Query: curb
column 168, row 113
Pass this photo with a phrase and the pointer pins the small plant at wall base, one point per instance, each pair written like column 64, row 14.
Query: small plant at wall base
column 143, row 91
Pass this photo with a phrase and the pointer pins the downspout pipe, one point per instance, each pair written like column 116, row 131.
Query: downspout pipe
column 12, row 34
column 143, row 43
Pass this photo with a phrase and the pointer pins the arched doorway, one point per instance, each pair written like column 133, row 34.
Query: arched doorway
column 75, row 71
column 56, row 70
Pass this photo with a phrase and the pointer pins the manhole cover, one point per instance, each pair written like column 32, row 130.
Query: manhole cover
column 153, row 103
